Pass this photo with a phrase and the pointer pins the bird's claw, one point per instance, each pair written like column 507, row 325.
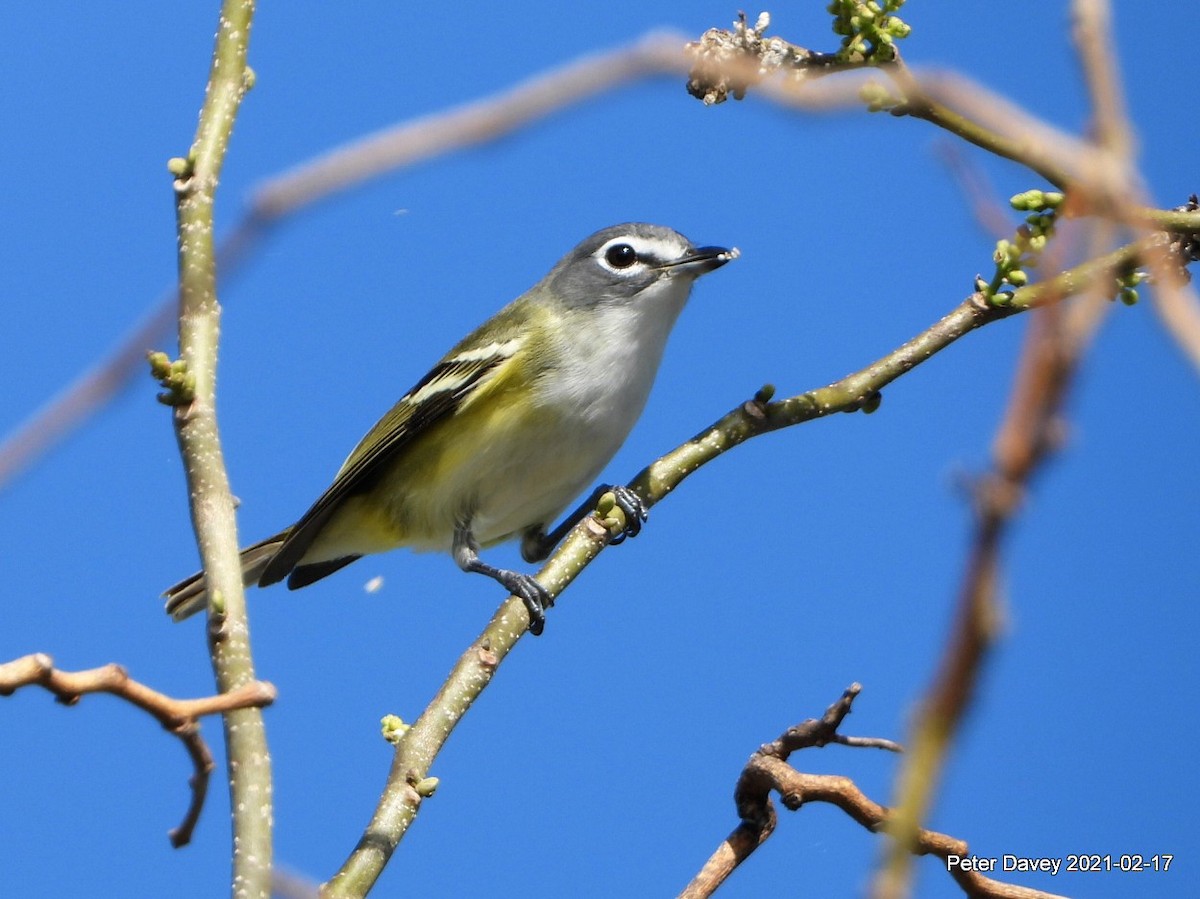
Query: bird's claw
column 526, row 588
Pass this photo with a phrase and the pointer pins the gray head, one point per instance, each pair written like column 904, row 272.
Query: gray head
column 620, row 263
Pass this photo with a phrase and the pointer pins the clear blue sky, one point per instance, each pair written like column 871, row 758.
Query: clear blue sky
column 601, row 762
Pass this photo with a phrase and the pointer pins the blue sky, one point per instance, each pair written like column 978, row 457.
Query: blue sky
column 602, row 759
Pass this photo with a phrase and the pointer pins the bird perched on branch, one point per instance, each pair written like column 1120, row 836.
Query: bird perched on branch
column 510, row 426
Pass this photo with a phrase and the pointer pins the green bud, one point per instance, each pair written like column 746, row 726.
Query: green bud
column 1017, row 278
column 1052, row 199
column 248, row 78
column 874, row 95
column 1001, row 251
column 899, row 29
column 764, row 395
column 180, row 383
column 393, row 728
column 1002, row 298
column 1020, row 201
column 981, row 284
column 1129, row 296
column 871, row 403
column 427, row 786
column 1037, row 243
column 160, row 364
column 178, row 166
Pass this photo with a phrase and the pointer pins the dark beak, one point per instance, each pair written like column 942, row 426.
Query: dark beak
column 702, row 260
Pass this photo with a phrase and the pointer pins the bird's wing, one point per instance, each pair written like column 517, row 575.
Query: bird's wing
column 436, row 396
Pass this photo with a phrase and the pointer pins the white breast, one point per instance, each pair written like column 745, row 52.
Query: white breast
column 596, row 396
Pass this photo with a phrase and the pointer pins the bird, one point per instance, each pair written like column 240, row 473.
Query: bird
column 510, row 426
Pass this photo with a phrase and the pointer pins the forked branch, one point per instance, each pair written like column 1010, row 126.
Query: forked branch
column 768, row 772
column 179, row 716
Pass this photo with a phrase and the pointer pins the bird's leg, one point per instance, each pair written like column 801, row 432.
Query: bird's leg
column 523, row 586
column 536, row 544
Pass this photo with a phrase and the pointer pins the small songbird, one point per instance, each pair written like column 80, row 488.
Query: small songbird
column 510, row 426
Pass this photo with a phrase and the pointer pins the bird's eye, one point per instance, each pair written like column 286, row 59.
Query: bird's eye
column 620, row 255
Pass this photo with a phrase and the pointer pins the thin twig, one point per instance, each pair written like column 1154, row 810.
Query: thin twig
column 1174, row 300
column 420, row 744
column 1029, row 434
column 767, row 771
column 416, row 141
column 487, row 119
column 340, row 169
column 179, row 716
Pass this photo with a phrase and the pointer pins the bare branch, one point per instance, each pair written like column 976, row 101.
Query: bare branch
column 179, row 716
column 412, row 142
column 343, row 168
column 767, row 771
column 420, row 744
column 192, row 390
column 1029, row 434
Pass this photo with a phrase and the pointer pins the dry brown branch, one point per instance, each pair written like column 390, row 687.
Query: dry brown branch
column 1175, row 302
column 179, row 716
column 1030, row 432
column 487, row 119
column 767, row 771
column 342, row 168
column 1020, row 137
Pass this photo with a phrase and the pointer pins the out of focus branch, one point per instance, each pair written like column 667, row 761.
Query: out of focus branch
column 343, row 168
column 418, row 746
column 768, row 771
column 951, row 102
column 1179, row 309
column 1030, row 433
column 179, row 716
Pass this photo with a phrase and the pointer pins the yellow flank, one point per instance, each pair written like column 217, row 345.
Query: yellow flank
column 473, row 464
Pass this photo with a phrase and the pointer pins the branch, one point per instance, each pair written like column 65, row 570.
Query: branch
column 408, row 783
column 1099, row 172
column 179, row 716
column 420, row 744
column 767, row 771
column 729, row 63
column 1179, row 309
column 481, row 121
column 341, row 169
column 1029, row 435
column 192, row 390
column 411, row 143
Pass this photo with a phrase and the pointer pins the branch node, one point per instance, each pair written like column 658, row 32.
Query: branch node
column 177, row 716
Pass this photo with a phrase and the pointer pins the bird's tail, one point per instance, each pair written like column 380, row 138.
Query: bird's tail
column 190, row 595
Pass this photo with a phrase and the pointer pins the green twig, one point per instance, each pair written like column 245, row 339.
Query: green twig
column 196, row 178
column 418, row 745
